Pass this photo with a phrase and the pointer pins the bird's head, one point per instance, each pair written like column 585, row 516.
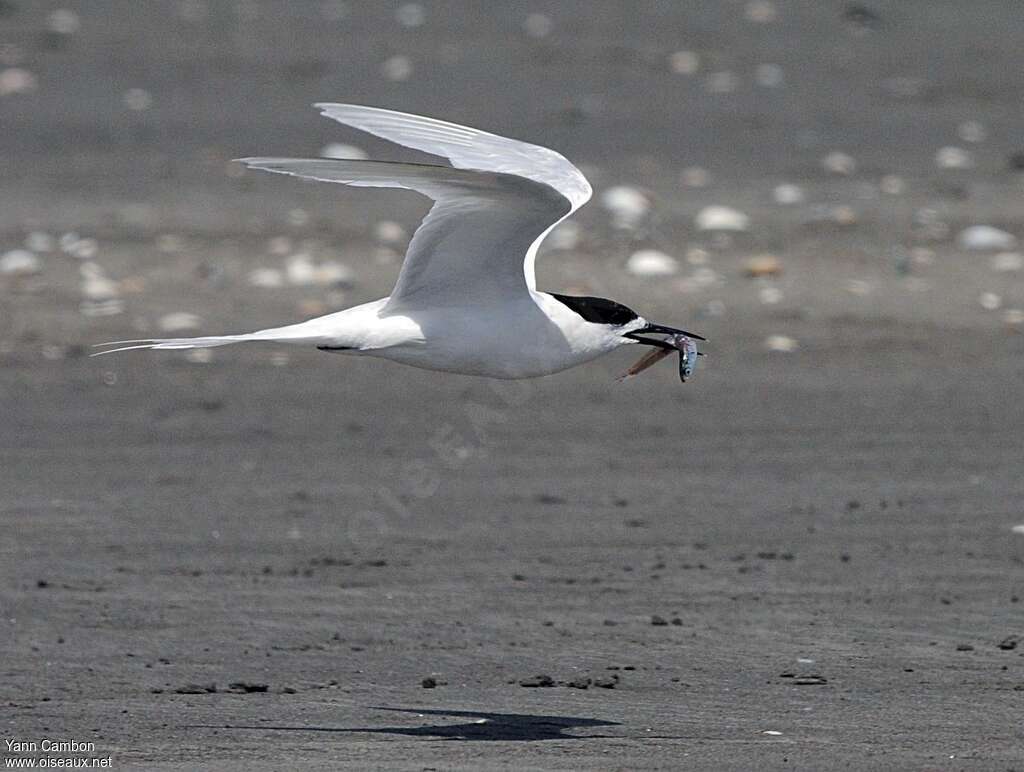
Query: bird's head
column 627, row 326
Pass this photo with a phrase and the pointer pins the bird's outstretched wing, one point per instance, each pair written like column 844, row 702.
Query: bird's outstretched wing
column 469, row 248
column 478, row 242
column 467, row 148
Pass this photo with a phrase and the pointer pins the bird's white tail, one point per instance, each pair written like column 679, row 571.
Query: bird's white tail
column 296, row 333
column 208, row 341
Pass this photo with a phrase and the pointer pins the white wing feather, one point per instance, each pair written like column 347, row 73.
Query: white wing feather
column 469, row 250
column 467, row 148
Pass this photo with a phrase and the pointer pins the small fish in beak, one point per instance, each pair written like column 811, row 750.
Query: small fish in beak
column 688, row 354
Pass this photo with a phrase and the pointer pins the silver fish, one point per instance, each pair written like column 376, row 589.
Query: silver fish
column 688, row 354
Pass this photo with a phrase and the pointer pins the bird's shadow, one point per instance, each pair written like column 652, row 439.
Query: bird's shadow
column 514, row 727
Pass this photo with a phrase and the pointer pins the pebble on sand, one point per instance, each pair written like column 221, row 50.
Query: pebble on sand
column 566, row 236
column 838, row 162
column 538, row 25
column 781, row 343
column 1004, row 262
column 39, row 241
column 990, row 301
column 1019, row 529
column 20, row 262
column 410, row 15
column 397, row 68
column 343, row 152
column 985, row 237
column 695, row 177
column 954, row 158
column 788, row 194
column 179, row 321
column 769, row 75
column 627, row 206
column 1014, row 316
column 760, row 266
column 651, row 262
column 760, row 11
column 684, row 62
column 390, row 232
column 15, row 80
column 972, row 131
column 721, row 218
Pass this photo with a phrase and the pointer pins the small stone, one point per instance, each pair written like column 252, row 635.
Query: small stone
column 246, row 687
column 838, row 162
column 333, row 274
column 810, row 680
column 179, row 321
column 788, row 194
column 684, row 62
column 537, row 25
column 990, row 301
column 266, row 278
column 429, row 683
column 300, row 269
column 722, row 82
column 972, row 131
column 566, row 236
column 20, row 262
column 15, row 80
column 1004, row 262
column 343, row 152
column 1009, row 643
column 892, row 185
column 769, row 75
column 410, row 15
column 196, row 689
column 695, row 177
column 658, row 621
column 627, row 206
column 986, row 237
column 390, row 232
column 760, row 11
column 651, row 262
column 63, row 21
column 770, row 296
column 1014, row 316
column 781, row 343
column 953, row 158
column 721, row 218
column 964, row 647
column 761, row 266
column 137, row 99
column 537, row 681
column 39, row 241
column 397, row 68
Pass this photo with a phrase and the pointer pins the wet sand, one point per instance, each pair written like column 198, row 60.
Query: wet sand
column 286, row 559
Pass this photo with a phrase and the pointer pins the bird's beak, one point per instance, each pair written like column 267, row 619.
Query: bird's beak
column 660, row 329
column 662, row 348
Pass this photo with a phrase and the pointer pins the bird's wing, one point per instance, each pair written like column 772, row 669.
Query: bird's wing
column 469, row 249
column 467, row 148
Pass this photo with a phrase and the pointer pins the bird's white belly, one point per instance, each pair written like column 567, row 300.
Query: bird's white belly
column 515, row 342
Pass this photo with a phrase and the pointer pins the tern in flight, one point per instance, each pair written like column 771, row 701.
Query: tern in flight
column 466, row 299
